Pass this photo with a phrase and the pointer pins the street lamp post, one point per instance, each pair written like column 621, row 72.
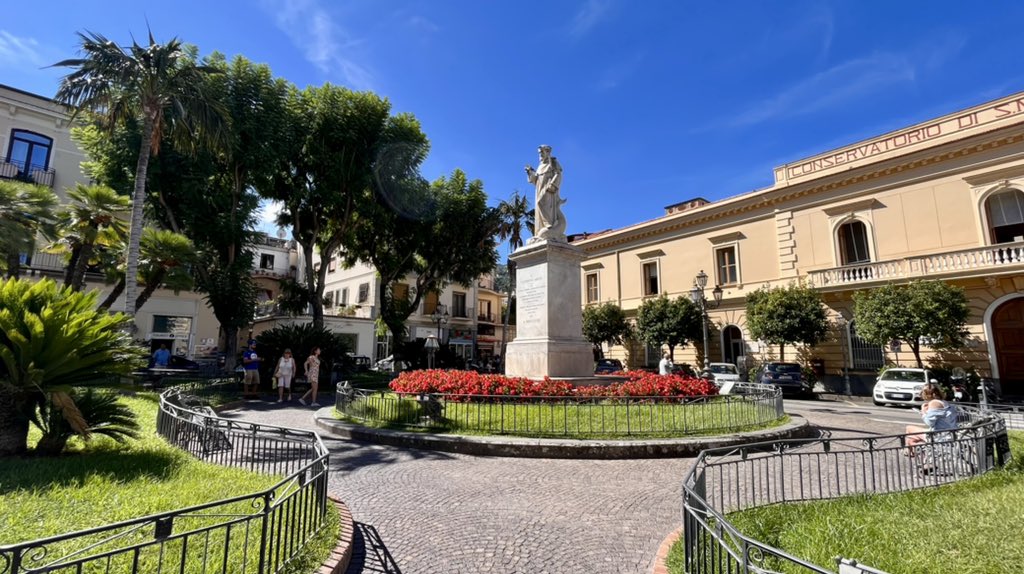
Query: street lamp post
column 841, row 322
column 440, row 316
column 697, row 295
column 431, row 346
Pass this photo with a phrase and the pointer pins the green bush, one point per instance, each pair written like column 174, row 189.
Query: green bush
column 102, row 412
column 301, row 339
column 52, row 339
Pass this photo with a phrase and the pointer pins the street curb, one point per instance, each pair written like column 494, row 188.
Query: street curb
column 338, row 561
column 660, row 567
column 836, row 397
column 519, row 447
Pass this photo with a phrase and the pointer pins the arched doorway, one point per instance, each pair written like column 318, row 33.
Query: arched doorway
column 732, row 344
column 1008, row 345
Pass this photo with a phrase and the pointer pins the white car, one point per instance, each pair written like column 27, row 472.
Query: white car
column 722, row 372
column 900, row 386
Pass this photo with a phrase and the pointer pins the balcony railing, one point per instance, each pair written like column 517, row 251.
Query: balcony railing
column 486, row 317
column 990, row 257
column 14, row 169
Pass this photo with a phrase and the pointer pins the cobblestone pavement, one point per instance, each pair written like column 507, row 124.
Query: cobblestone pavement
column 422, row 512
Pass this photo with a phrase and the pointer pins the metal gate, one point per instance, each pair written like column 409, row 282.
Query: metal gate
column 865, row 355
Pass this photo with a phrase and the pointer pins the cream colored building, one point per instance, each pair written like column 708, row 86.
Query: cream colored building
column 939, row 200
column 35, row 140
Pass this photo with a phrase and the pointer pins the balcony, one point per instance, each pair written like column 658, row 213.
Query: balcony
column 16, row 170
column 980, row 260
column 486, row 318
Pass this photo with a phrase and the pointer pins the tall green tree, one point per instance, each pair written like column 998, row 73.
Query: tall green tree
column 52, row 339
column 787, row 315
column 26, row 210
column 92, row 218
column 605, row 323
column 932, row 310
column 158, row 86
column 672, row 322
column 514, row 218
column 339, row 146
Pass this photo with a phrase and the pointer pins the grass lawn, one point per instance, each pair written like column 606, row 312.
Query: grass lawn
column 557, row 420
column 971, row 527
column 100, row 482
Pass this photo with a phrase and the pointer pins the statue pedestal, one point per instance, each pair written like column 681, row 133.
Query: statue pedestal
column 549, row 319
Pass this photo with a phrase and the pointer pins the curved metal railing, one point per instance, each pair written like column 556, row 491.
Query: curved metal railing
column 252, row 533
column 752, row 405
column 725, row 480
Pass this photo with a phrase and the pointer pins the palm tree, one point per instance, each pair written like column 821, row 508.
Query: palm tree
column 160, row 86
column 165, row 259
column 92, row 220
column 25, row 211
column 514, row 216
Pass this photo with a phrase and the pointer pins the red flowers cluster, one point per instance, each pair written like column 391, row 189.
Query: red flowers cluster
column 640, row 384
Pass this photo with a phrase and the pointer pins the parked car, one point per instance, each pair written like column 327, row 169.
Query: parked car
column 606, row 366
column 177, row 366
column 786, row 376
column 685, row 370
column 900, row 386
column 722, row 372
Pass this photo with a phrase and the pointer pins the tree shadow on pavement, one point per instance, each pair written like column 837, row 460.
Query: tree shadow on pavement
column 369, row 553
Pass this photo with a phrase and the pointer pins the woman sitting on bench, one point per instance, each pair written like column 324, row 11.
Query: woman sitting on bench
column 937, row 414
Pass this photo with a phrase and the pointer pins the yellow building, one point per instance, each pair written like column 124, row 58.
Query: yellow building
column 943, row 199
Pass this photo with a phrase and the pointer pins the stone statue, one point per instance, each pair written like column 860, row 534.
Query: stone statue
column 549, row 223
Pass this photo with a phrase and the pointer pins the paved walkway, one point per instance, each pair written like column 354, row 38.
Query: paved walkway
column 422, row 512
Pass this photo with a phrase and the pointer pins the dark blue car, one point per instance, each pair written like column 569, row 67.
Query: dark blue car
column 786, row 376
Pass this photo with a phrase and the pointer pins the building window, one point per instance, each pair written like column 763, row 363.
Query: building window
column 1006, row 216
column 344, row 296
column 459, row 304
column 485, row 311
column 649, row 271
column 430, row 303
column 652, row 354
column 29, row 150
column 266, row 261
column 400, row 292
column 364, row 292
column 728, row 265
column 328, row 299
column 593, row 295
column 853, row 243
column 332, row 265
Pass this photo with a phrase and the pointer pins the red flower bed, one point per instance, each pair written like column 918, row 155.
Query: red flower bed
column 640, row 384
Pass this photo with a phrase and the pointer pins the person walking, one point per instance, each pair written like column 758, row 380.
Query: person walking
column 665, row 366
column 251, row 365
column 312, row 367
column 285, row 372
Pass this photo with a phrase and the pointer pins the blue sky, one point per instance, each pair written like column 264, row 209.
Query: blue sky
column 645, row 103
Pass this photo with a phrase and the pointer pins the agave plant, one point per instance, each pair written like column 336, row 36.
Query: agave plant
column 85, row 412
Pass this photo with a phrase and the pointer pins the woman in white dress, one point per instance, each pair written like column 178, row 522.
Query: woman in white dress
column 285, row 372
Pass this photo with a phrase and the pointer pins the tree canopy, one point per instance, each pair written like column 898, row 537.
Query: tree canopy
column 606, row 323
column 921, row 310
column 787, row 315
column 672, row 322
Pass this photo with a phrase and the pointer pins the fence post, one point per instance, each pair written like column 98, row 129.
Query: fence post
column 264, row 525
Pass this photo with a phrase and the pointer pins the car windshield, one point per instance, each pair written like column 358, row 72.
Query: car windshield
column 783, row 368
column 904, row 376
column 723, row 369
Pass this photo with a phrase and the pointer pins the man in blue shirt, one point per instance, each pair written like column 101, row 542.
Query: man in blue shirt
column 251, row 365
column 161, row 357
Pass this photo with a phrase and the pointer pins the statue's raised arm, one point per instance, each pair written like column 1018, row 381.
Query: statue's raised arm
column 549, row 223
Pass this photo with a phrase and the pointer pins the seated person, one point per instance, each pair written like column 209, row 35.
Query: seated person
column 937, row 414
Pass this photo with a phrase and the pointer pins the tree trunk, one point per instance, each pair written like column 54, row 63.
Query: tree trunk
column 69, row 271
column 916, row 348
column 13, row 425
column 511, row 267
column 150, row 288
column 230, row 347
column 52, row 444
column 78, row 272
column 782, row 352
column 13, row 265
column 113, row 295
column 138, row 201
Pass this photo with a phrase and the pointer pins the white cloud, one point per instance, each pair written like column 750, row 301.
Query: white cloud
column 589, row 16
column 19, row 52
column 325, row 43
column 832, row 87
column 268, row 213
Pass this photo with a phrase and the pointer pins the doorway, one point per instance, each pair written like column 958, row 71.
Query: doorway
column 1008, row 339
column 732, row 344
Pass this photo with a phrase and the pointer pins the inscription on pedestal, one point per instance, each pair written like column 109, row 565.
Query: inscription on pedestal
column 530, row 299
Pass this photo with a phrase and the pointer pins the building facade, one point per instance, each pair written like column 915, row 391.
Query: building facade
column 939, row 200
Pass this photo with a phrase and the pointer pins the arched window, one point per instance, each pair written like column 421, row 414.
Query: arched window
column 1006, row 216
column 853, row 243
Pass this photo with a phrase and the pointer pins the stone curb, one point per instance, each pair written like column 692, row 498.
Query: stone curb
column 340, row 557
column 845, row 398
column 660, row 567
column 798, row 427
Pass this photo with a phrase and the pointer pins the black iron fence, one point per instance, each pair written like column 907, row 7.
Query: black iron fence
column 254, row 533
column 726, row 480
column 753, row 405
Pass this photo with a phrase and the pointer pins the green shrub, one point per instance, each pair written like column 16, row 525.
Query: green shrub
column 102, row 412
column 300, row 339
